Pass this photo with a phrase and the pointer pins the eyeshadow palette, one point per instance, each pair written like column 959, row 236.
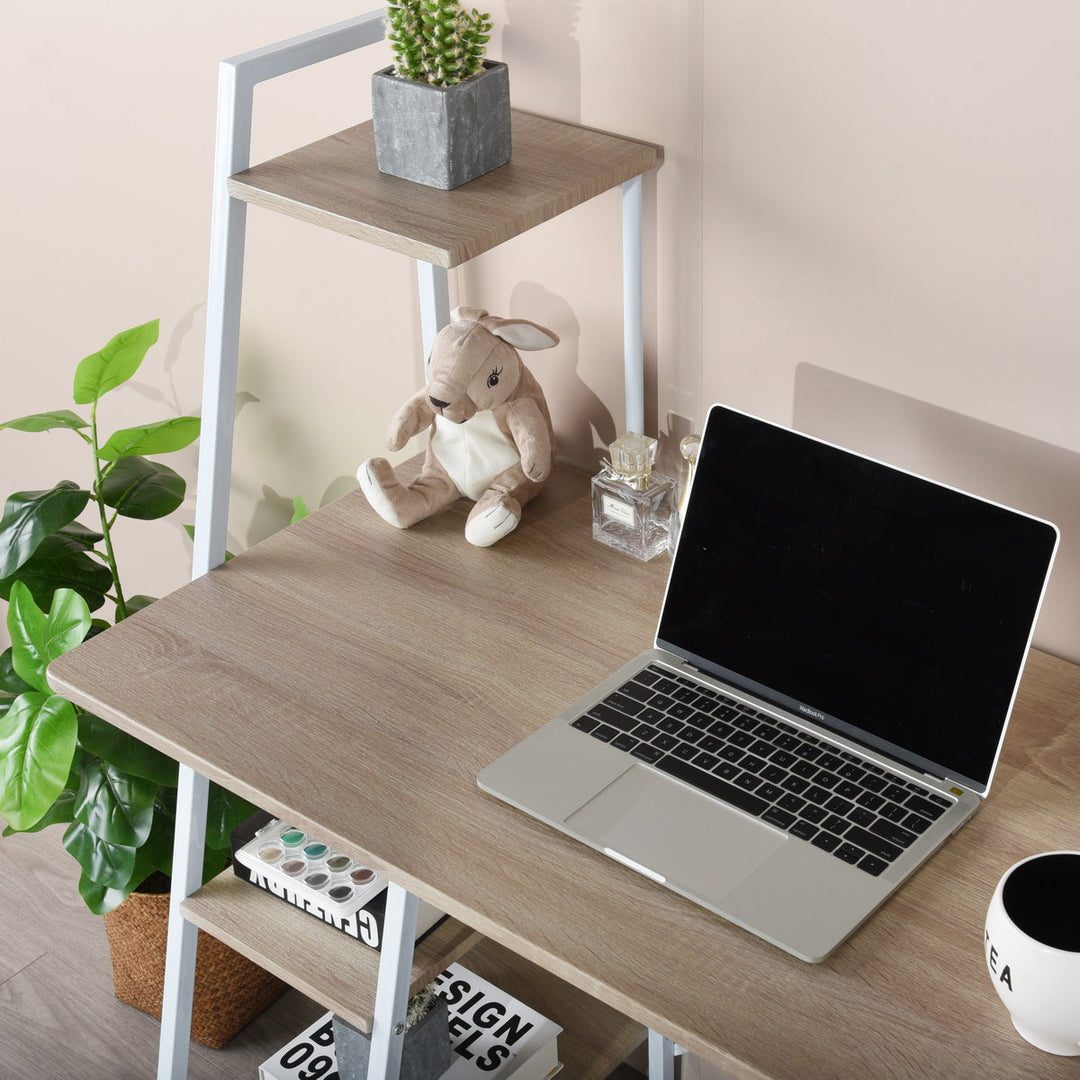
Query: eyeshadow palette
column 306, row 872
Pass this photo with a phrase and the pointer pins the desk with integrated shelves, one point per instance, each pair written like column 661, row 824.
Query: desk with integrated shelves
column 355, row 679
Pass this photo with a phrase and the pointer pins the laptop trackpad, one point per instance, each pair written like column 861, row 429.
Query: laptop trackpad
column 695, row 843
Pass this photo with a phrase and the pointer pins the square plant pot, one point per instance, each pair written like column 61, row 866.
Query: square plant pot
column 442, row 136
column 425, row 1054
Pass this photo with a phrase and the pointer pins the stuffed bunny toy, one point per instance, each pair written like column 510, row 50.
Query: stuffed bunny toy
column 489, row 430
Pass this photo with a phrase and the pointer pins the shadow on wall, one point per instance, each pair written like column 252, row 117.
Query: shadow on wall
column 583, row 424
column 538, row 42
column 986, row 460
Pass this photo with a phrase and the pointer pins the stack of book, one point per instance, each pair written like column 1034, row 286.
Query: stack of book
column 493, row 1036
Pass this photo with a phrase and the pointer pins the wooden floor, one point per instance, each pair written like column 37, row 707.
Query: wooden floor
column 59, row 1019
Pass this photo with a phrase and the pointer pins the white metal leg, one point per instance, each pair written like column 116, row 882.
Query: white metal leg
column 633, row 306
column 661, row 1057
column 183, row 935
column 434, row 284
column 237, row 80
column 228, row 219
column 395, row 975
column 232, row 152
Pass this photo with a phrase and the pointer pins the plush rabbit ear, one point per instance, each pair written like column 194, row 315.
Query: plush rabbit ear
column 521, row 333
column 467, row 314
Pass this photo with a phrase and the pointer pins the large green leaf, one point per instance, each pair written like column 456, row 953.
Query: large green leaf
column 125, row 751
column 62, row 812
column 30, row 516
column 115, row 806
column 38, row 639
column 113, row 365
column 100, row 899
column 10, row 683
column 108, row 865
column 139, row 488
column 79, row 534
column 37, row 743
column 64, row 418
column 224, row 811
column 160, row 438
column 155, row 854
column 214, row 861
column 61, row 562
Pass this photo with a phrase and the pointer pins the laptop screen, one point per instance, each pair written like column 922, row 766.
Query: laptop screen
column 890, row 608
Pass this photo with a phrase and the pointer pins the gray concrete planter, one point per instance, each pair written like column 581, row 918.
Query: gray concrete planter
column 425, row 1054
column 442, row 136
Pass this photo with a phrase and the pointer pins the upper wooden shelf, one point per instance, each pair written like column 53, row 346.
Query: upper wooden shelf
column 335, row 183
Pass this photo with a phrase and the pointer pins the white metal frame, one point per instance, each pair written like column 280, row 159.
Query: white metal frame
column 238, row 77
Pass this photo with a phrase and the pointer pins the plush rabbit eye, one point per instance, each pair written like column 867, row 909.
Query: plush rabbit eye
column 493, row 378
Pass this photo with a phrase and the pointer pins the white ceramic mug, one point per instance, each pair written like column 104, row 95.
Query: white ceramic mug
column 1032, row 945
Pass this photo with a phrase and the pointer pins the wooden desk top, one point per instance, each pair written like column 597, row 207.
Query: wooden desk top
column 354, row 679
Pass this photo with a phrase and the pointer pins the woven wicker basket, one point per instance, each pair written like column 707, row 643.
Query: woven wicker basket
column 230, row 990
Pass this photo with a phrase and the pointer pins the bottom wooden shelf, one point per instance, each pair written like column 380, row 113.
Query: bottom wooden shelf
column 341, row 974
column 595, row 1038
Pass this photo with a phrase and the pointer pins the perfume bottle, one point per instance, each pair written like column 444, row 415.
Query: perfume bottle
column 690, row 448
column 633, row 506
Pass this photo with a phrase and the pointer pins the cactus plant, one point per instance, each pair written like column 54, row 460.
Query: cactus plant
column 436, row 41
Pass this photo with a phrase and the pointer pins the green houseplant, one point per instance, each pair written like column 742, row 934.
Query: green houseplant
column 441, row 111
column 60, row 765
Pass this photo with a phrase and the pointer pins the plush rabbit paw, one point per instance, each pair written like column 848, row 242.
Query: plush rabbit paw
column 376, row 477
column 490, row 522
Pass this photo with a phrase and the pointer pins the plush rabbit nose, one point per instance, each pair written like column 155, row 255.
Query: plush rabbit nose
column 437, row 403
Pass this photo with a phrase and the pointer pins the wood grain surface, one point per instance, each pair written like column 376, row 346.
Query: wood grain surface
column 334, row 183
column 355, row 679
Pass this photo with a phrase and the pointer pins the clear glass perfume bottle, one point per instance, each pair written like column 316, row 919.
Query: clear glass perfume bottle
column 633, row 506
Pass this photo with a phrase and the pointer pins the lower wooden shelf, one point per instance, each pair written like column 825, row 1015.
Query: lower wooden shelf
column 318, row 960
column 342, row 974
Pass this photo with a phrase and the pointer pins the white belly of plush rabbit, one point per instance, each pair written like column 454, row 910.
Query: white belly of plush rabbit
column 490, row 436
column 473, row 453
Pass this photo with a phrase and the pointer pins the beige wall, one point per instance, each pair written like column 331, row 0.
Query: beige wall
column 866, row 224
column 892, row 241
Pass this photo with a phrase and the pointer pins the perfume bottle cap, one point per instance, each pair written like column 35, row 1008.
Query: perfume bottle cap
column 633, row 455
column 690, row 447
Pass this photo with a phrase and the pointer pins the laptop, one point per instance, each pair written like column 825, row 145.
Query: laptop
column 838, row 651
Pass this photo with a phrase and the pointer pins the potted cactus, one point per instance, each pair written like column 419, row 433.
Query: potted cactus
column 425, row 1052
column 441, row 112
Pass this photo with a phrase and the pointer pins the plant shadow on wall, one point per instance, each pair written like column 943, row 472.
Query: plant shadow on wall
column 60, row 765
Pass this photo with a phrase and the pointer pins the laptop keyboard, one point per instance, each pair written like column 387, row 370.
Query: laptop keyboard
column 814, row 790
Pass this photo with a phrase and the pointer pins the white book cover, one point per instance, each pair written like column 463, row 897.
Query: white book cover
column 493, row 1036
column 310, row 1056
